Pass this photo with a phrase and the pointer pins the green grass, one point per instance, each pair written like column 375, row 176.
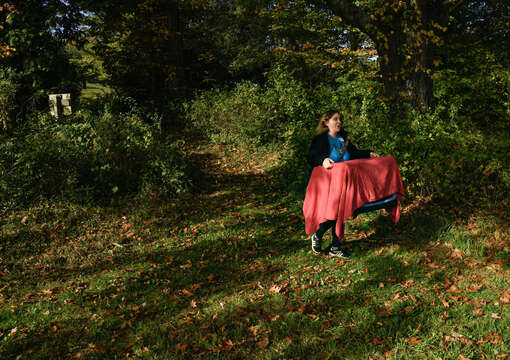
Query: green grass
column 94, row 90
column 228, row 273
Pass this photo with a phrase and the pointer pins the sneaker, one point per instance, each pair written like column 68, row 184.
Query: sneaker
column 316, row 244
column 341, row 253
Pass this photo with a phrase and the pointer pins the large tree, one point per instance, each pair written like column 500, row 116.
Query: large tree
column 155, row 49
column 405, row 34
column 152, row 49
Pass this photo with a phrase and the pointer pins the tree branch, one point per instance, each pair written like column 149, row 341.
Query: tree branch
column 453, row 5
column 352, row 14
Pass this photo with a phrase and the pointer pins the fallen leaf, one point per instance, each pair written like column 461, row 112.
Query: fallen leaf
column 475, row 287
column 413, row 340
column 505, row 297
column 457, row 253
column 181, row 347
column 445, row 316
column 493, row 338
column 240, row 310
column 275, row 289
column 432, row 265
column 187, row 265
column 377, row 341
column 228, row 344
column 187, row 292
column 263, row 343
column 458, row 337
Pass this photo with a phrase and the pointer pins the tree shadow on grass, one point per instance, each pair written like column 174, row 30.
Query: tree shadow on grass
column 237, row 262
column 169, row 283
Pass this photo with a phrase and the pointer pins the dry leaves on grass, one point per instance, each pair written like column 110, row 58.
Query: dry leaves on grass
column 457, row 337
column 493, row 338
column 413, row 340
column 505, row 297
column 263, row 343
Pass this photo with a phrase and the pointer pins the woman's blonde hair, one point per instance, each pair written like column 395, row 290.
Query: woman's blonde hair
column 325, row 117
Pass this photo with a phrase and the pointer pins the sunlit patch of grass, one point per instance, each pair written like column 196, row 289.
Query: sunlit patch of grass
column 232, row 276
column 95, row 90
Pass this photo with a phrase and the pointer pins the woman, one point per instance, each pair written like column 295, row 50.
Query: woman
column 330, row 146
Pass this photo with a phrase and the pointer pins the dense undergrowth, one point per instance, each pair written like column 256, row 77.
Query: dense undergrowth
column 452, row 152
column 228, row 273
column 102, row 152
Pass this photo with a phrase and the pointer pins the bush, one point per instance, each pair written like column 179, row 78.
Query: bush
column 438, row 152
column 89, row 157
column 252, row 115
column 443, row 152
column 8, row 89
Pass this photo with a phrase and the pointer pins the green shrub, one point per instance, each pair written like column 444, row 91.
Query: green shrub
column 252, row 115
column 8, row 89
column 438, row 153
column 444, row 152
column 89, row 157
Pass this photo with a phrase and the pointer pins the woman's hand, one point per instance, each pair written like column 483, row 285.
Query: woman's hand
column 374, row 155
column 327, row 163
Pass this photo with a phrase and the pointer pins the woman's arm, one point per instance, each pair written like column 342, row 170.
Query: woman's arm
column 357, row 153
column 316, row 153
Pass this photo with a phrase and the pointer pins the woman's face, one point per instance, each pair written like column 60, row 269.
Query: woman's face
column 334, row 123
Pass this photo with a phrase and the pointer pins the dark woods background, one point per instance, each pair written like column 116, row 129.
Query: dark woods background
column 425, row 81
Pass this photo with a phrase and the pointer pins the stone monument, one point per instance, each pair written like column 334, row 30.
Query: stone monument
column 60, row 104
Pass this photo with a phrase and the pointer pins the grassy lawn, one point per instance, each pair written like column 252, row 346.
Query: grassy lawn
column 228, row 273
column 94, row 90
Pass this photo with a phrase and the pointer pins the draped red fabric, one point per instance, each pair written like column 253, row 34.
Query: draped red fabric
column 335, row 193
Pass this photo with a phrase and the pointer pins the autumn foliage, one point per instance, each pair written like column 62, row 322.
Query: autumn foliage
column 6, row 12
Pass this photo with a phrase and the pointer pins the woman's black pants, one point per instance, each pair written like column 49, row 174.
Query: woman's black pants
column 323, row 227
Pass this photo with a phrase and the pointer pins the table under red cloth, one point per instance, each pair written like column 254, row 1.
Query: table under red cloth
column 335, row 193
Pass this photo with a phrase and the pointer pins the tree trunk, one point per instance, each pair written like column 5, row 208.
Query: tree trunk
column 176, row 46
column 421, row 80
column 391, row 64
column 395, row 38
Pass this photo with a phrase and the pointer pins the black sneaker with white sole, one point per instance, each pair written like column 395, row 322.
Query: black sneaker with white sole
column 341, row 253
column 316, row 244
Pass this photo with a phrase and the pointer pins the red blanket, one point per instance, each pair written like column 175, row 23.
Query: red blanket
column 335, row 193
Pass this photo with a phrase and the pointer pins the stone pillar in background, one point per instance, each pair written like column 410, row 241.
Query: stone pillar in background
column 60, row 104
